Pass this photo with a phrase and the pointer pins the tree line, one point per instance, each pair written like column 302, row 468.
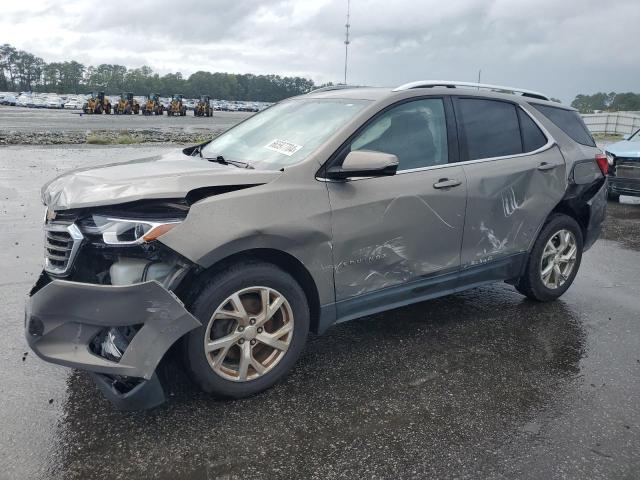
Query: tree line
column 23, row 71
column 610, row 102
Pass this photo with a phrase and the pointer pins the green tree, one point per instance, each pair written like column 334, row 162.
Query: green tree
column 21, row 70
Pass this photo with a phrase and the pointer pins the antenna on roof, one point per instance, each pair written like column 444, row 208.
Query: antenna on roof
column 346, row 40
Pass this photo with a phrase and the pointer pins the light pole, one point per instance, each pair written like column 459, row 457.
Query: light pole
column 346, row 40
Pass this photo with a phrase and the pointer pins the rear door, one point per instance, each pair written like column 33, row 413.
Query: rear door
column 390, row 231
column 515, row 177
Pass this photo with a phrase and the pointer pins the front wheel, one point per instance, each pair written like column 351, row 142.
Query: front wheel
column 255, row 320
column 554, row 260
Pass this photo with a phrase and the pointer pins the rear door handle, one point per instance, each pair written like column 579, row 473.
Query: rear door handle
column 446, row 183
column 546, row 166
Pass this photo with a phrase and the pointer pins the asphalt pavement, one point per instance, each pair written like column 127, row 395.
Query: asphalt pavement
column 483, row 384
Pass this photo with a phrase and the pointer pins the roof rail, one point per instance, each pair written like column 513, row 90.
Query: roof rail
column 454, row 84
column 334, row 87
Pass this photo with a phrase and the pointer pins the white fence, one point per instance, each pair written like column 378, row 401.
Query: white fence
column 622, row 123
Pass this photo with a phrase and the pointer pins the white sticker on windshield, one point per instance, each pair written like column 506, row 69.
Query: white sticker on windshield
column 283, row 147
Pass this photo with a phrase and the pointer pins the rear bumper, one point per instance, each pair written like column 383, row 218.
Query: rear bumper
column 597, row 212
column 624, row 186
column 63, row 318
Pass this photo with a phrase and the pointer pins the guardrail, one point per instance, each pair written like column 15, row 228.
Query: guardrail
column 621, row 123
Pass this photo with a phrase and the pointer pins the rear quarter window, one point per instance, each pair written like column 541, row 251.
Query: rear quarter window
column 532, row 136
column 569, row 122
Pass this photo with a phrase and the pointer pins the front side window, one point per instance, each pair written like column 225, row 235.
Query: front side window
column 415, row 132
column 490, row 127
column 284, row 134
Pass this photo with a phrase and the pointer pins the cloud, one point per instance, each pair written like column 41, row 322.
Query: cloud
column 562, row 48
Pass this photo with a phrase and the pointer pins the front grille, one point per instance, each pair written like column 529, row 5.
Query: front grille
column 61, row 244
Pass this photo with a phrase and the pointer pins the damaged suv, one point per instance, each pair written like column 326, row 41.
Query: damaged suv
column 323, row 208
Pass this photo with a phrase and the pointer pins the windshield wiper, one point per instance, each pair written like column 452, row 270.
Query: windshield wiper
column 220, row 159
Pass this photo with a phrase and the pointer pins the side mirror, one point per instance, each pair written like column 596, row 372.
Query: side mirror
column 365, row 163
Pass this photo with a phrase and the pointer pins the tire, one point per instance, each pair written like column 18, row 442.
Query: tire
column 614, row 197
column 531, row 283
column 214, row 294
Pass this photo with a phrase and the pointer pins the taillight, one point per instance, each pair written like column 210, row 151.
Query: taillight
column 601, row 160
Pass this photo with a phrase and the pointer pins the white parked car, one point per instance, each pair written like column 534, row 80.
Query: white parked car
column 37, row 102
column 8, row 99
column 53, row 102
column 73, row 104
column 23, row 100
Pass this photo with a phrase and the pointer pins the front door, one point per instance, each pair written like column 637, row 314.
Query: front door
column 393, row 231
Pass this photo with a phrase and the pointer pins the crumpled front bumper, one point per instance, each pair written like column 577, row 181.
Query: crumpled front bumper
column 62, row 318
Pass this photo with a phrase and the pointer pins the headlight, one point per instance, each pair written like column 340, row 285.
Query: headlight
column 121, row 231
column 610, row 158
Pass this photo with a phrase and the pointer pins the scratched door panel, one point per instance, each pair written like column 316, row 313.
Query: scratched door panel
column 392, row 230
column 508, row 199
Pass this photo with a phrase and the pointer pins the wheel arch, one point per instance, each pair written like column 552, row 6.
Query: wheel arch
column 580, row 213
column 578, row 204
column 188, row 291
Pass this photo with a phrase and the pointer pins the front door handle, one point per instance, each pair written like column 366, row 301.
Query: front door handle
column 544, row 166
column 446, row 183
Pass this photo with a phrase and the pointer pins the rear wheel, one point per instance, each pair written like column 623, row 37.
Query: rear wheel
column 255, row 320
column 554, row 261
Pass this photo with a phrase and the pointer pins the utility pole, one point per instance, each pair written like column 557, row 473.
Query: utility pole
column 346, row 40
column 479, row 77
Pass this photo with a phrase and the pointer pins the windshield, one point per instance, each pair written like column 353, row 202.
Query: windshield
column 284, row 134
column 635, row 137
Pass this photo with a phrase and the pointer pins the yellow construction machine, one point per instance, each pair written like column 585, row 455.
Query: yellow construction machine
column 177, row 106
column 97, row 103
column 203, row 107
column 127, row 105
column 152, row 105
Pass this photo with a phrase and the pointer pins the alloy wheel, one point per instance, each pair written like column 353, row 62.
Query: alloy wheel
column 249, row 333
column 558, row 259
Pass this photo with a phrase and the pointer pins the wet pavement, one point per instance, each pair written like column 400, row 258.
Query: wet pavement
column 483, row 384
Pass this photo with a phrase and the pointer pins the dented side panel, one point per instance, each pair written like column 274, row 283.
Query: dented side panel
column 509, row 199
column 392, row 230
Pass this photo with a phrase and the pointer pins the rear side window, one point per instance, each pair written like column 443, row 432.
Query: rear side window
column 532, row 136
column 491, row 128
column 569, row 122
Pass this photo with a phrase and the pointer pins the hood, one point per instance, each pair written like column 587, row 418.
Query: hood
column 625, row 149
column 169, row 176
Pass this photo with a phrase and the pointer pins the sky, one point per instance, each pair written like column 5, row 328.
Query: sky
column 558, row 47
